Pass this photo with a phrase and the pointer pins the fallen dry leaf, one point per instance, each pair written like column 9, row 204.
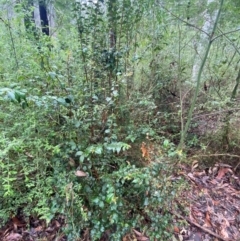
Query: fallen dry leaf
column 137, row 233
column 79, row 173
column 190, row 175
column 207, row 220
column 180, row 237
column 140, row 236
column 216, row 202
column 38, row 228
column 199, row 174
column 204, row 180
column 144, row 150
column 194, row 164
column 13, row 237
column 17, row 222
column 71, row 162
column 86, row 235
column 222, row 186
column 176, row 230
column 224, row 233
column 57, row 224
column 221, row 173
column 28, row 154
column 129, row 237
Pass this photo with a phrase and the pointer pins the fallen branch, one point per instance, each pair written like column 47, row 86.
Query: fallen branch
column 215, row 113
column 221, row 154
column 199, row 226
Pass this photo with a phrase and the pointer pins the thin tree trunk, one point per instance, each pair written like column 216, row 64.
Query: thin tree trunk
column 203, row 40
column 199, row 75
column 51, row 18
column 37, row 14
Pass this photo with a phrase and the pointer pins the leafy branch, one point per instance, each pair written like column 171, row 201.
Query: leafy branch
column 190, row 113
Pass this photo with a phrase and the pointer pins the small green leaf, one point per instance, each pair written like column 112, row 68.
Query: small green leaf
column 146, row 202
column 77, row 124
column 96, row 200
column 108, row 99
column 98, row 150
column 79, row 153
column 115, row 93
column 107, row 131
column 52, row 74
column 166, row 143
column 81, row 159
column 61, row 100
column 110, row 197
column 101, row 204
column 11, row 95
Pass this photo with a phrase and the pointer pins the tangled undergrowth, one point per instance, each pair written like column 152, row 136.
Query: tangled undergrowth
column 92, row 116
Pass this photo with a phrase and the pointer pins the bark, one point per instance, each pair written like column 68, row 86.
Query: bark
column 203, row 39
column 37, row 14
column 44, row 17
column 10, row 9
column 51, row 18
column 199, row 75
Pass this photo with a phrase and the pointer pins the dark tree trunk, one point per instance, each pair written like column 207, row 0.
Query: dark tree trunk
column 44, row 17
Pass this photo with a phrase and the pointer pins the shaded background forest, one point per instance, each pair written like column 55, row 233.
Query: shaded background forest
column 100, row 100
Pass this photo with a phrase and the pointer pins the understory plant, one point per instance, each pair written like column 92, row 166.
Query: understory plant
column 72, row 128
column 50, row 168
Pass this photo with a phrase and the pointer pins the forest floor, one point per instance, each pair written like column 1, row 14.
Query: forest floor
column 212, row 203
column 207, row 210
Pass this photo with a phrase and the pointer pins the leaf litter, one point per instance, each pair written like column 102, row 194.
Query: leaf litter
column 17, row 229
column 208, row 211
column 212, row 204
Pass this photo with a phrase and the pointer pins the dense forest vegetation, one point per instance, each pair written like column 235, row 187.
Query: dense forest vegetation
column 104, row 102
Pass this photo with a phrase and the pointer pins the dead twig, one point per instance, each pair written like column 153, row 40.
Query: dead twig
column 199, row 226
column 221, row 154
